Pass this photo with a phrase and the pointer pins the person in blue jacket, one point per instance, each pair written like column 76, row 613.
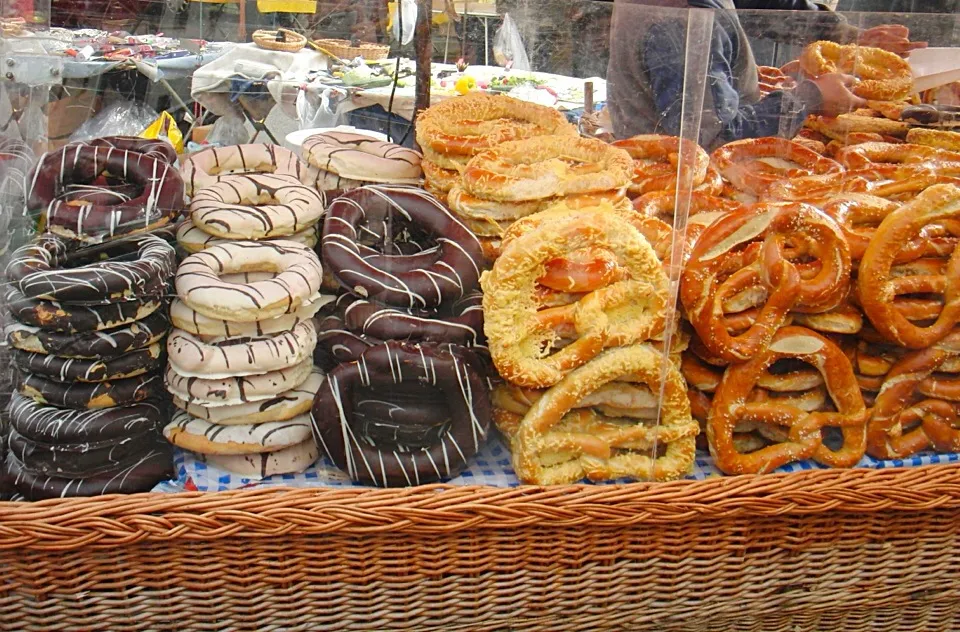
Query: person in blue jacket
column 648, row 52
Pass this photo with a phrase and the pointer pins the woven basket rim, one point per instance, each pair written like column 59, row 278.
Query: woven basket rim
column 73, row 523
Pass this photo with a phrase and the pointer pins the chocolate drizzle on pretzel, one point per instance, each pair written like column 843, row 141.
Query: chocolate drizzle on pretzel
column 397, row 366
column 38, row 271
column 48, row 424
column 94, row 344
column 69, row 318
column 159, row 187
column 392, row 214
column 84, row 395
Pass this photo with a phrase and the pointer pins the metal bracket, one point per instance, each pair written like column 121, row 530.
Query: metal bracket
column 32, row 70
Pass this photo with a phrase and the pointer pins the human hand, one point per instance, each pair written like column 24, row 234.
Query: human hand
column 836, row 95
column 890, row 37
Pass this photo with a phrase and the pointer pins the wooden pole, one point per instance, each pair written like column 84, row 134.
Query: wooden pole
column 423, row 45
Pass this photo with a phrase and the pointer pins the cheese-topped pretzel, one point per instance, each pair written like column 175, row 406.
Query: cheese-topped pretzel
column 905, row 418
column 939, row 204
column 656, row 161
column 865, row 155
column 753, row 164
column 662, row 204
column 805, row 429
column 940, row 138
column 547, row 166
column 551, row 446
column 476, row 121
column 518, row 334
column 883, row 76
column 728, row 259
column 594, row 267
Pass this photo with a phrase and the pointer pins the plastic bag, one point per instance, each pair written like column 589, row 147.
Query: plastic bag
column 408, row 11
column 166, row 128
column 229, row 130
column 315, row 112
column 508, row 50
column 123, row 118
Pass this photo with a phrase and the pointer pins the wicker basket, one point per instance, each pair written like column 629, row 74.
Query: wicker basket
column 344, row 50
column 819, row 550
column 290, row 42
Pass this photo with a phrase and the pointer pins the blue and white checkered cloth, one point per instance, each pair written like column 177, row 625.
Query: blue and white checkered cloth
column 491, row 466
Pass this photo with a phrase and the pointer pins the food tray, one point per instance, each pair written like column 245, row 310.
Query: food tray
column 815, row 550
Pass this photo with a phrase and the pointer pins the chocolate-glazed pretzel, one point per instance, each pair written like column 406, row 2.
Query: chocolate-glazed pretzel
column 38, row 271
column 356, row 324
column 160, row 192
column 49, row 424
column 138, row 474
column 397, row 366
column 70, row 318
column 363, row 224
column 79, row 460
column 157, row 149
column 62, row 369
column 91, row 395
column 92, row 344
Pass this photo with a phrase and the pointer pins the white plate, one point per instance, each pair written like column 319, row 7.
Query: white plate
column 296, row 138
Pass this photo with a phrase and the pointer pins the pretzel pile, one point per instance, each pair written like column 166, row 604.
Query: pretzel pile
column 495, row 159
column 830, row 288
column 582, row 364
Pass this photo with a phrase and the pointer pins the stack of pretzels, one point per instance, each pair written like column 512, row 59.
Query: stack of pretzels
column 87, row 343
column 496, row 160
column 575, row 310
column 406, row 401
column 241, row 356
column 250, row 192
column 823, row 289
column 346, row 160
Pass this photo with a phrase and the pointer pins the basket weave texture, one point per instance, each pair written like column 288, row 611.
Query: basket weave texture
column 291, row 42
column 344, row 50
column 818, row 550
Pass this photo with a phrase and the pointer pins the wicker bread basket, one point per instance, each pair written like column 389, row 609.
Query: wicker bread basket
column 833, row 550
column 345, row 50
column 282, row 39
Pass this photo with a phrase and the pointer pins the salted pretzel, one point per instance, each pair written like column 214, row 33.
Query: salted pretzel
column 883, row 76
column 545, row 167
column 554, row 444
column 713, row 184
column 939, row 204
column 804, row 438
column 662, row 204
column 467, row 125
column 746, row 250
column 656, row 160
column 858, row 216
column 905, row 419
column 751, row 165
column 520, row 337
column 865, row 155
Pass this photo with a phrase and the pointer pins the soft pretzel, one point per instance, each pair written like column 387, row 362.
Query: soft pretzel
column 840, row 127
column 858, row 216
column 939, row 204
column 905, row 420
column 518, row 334
column 866, row 155
column 728, row 259
column 884, row 76
column 550, row 448
column 656, row 160
column 753, row 164
column 476, row 121
column 805, row 429
column 547, row 166
column 942, row 139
